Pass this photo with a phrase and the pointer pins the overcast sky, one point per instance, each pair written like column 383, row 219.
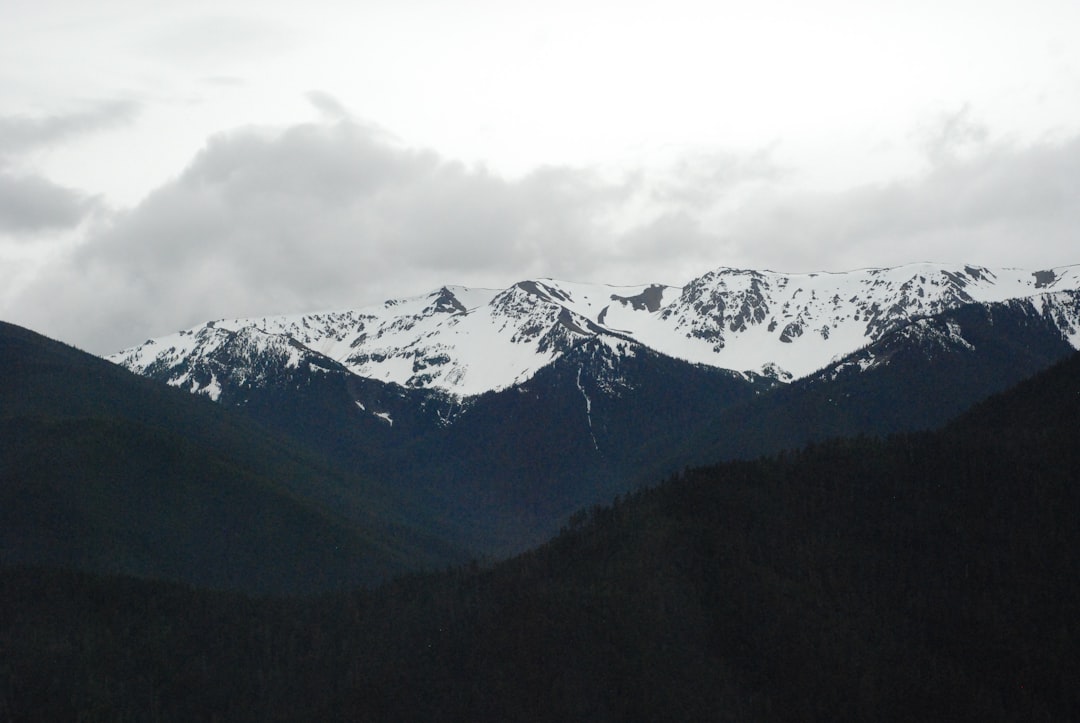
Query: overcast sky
column 162, row 164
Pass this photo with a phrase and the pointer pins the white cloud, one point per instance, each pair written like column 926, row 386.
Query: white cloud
column 952, row 136
column 317, row 215
column 338, row 214
column 22, row 133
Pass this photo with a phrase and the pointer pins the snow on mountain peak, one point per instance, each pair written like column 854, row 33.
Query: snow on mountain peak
column 467, row 341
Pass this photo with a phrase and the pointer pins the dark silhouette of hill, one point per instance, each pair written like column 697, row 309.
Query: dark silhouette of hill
column 926, row 576
column 102, row 470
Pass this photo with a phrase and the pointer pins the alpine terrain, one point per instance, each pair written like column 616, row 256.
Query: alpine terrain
column 500, row 412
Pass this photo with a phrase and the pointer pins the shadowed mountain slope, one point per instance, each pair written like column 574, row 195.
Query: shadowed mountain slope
column 105, row 471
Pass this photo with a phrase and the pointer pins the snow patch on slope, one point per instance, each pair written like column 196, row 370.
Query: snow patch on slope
column 588, row 410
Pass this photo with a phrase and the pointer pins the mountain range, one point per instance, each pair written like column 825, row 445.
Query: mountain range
column 662, row 533
column 498, row 413
column 465, row 342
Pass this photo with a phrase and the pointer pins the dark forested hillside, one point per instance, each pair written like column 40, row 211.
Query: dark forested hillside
column 513, row 463
column 519, row 461
column 105, row 471
column 928, row 576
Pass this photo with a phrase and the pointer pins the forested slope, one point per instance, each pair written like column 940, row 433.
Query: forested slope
column 932, row 576
column 104, row 471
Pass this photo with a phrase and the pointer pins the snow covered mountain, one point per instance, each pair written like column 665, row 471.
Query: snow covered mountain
column 462, row 342
column 498, row 413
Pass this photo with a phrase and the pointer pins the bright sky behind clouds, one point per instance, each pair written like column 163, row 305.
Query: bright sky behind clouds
column 166, row 163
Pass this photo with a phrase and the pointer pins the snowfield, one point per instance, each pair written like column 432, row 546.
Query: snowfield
column 467, row 341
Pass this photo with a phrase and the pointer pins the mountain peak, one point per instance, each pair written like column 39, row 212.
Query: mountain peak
column 444, row 301
column 466, row 341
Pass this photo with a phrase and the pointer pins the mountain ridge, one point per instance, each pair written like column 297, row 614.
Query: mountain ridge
column 463, row 341
column 583, row 392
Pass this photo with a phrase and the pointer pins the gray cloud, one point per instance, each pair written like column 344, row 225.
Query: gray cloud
column 952, row 135
column 333, row 215
column 30, row 204
column 319, row 215
column 331, row 108
column 699, row 180
column 22, row 133
column 1004, row 205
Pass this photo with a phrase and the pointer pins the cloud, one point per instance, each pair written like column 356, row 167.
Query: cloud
column 951, row 136
column 317, row 215
column 29, row 204
column 21, row 133
column 699, row 180
column 330, row 107
column 338, row 214
column 1003, row 205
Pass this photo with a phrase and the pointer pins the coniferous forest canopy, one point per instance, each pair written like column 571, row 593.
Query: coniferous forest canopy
column 922, row 576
